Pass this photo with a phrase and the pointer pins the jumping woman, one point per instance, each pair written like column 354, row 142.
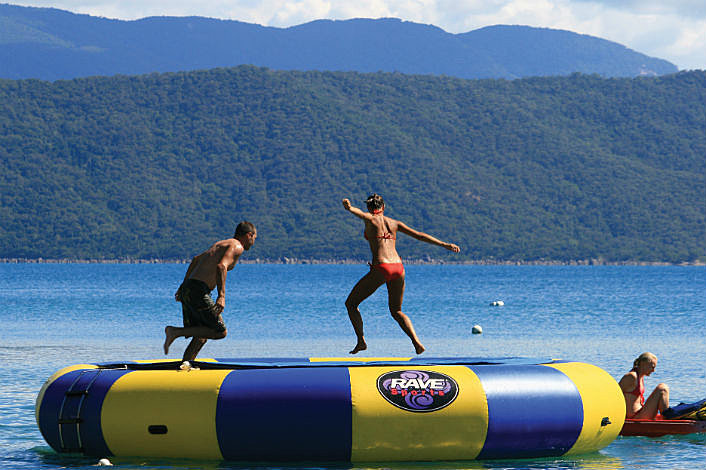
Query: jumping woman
column 385, row 268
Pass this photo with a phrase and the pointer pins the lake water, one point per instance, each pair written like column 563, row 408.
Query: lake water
column 56, row 315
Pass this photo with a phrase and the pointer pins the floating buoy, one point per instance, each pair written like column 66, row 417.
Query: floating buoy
column 497, row 303
column 476, row 330
column 104, row 463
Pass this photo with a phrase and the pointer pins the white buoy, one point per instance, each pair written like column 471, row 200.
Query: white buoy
column 476, row 330
column 497, row 303
column 104, row 463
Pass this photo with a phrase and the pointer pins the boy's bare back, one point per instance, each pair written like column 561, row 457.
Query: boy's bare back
column 224, row 253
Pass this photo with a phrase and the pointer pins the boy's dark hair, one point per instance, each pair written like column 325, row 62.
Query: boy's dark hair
column 243, row 228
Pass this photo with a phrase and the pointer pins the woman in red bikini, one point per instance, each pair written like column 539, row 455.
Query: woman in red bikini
column 386, row 267
column 633, row 388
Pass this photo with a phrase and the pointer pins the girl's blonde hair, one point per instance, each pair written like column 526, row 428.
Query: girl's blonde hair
column 645, row 356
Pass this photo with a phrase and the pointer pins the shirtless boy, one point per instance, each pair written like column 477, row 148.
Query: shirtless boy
column 207, row 271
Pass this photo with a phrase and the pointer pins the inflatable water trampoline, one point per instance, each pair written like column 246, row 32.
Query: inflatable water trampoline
column 332, row 409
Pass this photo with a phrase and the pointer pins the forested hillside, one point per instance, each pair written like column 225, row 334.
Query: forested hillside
column 158, row 166
column 51, row 44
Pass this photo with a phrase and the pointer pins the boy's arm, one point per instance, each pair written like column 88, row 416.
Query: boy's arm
column 230, row 257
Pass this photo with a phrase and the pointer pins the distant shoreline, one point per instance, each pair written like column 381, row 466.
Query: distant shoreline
column 285, row 260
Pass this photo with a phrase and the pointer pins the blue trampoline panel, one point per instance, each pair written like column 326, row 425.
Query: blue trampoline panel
column 285, row 414
column 533, row 411
column 64, row 404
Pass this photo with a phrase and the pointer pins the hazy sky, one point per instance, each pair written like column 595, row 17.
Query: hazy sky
column 674, row 30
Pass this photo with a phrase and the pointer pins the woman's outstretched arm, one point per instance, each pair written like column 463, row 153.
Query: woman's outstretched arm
column 355, row 211
column 424, row 237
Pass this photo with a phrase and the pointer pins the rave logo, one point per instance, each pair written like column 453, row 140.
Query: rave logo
column 417, row 390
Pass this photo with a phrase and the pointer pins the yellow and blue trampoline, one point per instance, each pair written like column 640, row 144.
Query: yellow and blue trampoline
column 380, row 409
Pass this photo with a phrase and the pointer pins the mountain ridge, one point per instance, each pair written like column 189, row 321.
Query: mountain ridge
column 53, row 44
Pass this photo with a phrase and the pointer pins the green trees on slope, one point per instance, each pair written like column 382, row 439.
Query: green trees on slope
column 160, row 165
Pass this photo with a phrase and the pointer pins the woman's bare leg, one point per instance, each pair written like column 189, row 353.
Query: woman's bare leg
column 657, row 401
column 363, row 289
column 395, row 294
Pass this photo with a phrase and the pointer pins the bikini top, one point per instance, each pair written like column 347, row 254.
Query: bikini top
column 384, row 236
column 639, row 390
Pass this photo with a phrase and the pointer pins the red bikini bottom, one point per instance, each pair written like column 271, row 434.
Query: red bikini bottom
column 390, row 271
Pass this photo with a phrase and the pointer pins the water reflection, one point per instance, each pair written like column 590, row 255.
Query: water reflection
column 596, row 461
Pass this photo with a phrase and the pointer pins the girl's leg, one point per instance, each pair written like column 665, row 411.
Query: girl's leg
column 657, row 401
column 361, row 291
column 395, row 294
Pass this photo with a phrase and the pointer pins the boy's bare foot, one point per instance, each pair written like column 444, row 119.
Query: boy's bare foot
column 361, row 346
column 419, row 348
column 170, row 336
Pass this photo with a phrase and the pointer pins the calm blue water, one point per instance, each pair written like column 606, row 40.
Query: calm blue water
column 59, row 315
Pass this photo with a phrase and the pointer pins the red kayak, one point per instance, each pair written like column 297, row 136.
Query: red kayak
column 661, row 427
